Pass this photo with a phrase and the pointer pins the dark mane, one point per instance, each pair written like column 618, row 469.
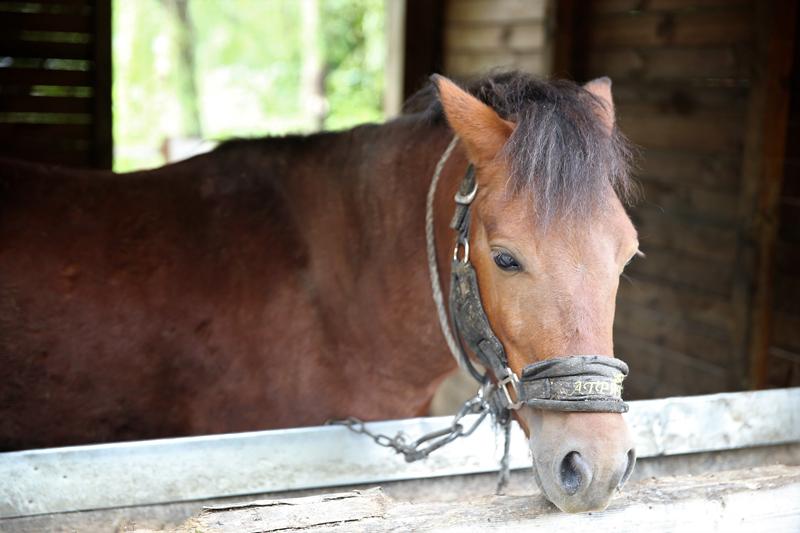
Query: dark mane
column 560, row 152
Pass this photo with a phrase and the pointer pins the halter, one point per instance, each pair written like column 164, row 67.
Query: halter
column 586, row 383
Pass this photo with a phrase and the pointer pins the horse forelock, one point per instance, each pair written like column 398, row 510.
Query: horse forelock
column 561, row 154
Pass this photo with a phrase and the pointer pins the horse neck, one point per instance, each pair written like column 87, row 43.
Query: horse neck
column 373, row 275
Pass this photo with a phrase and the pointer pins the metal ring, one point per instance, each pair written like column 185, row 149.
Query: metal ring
column 465, row 259
column 470, row 196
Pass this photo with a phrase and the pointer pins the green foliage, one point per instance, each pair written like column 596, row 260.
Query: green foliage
column 248, row 60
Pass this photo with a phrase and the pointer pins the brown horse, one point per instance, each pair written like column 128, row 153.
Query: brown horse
column 283, row 282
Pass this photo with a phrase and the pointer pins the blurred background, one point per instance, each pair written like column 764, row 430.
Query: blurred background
column 190, row 72
column 709, row 91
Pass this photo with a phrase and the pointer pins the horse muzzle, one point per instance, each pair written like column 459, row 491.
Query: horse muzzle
column 580, row 460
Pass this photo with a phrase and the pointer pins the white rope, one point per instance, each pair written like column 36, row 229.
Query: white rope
column 432, row 266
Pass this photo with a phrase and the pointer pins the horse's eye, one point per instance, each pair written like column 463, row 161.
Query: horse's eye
column 505, row 261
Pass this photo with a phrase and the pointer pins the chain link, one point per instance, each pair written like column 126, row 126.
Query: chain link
column 479, row 404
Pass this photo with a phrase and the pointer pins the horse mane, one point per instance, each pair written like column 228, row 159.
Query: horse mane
column 560, row 152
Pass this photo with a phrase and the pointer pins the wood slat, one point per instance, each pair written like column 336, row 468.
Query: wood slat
column 680, row 97
column 35, row 49
column 701, row 29
column 31, row 76
column 672, row 368
column 787, row 294
column 472, row 64
column 790, row 223
column 786, row 331
column 486, row 11
column 787, row 258
column 710, row 171
column 14, row 22
column 702, row 343
column 688, row 201
column 699, row 239
column 45, row 104
column 692, row 306
column 685, row 271
column 706, row 130
column 659, row 64
column 38, row 132
column 517, row 37
column 606, row 7
column 59, row 158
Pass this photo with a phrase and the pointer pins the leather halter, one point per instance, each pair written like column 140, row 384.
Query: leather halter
column 589, row 383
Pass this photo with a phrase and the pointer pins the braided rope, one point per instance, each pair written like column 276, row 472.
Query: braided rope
column 432, row 265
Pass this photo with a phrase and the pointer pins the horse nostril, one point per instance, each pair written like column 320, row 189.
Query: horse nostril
column 629, row 468
column 570, row 474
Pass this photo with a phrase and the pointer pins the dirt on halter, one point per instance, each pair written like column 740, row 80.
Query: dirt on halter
column 283, row 282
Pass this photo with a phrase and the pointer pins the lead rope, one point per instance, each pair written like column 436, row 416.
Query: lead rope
column 433, row 269
column 438, row 298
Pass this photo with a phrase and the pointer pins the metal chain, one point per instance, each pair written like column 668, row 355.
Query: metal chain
column 478, row 404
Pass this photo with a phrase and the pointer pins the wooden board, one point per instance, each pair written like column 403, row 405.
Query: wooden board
column 698, row 65
column 762, row 499
column 696, row 29
column 486, row 11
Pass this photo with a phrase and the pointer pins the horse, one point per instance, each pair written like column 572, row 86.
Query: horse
column 283, row 282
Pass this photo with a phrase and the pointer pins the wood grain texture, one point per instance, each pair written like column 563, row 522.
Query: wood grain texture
column 733, row 501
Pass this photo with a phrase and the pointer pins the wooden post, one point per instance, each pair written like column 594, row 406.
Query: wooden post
column 762, row 177
column 423, row 43
column 102, row 135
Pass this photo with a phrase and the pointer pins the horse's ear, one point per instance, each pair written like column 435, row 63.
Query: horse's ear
column 480, row 127
column 601, row 89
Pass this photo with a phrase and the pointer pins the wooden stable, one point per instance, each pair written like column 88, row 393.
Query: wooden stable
column 55, row 82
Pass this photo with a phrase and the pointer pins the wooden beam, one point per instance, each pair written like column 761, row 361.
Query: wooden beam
column 762, row 177
column 103, row 154
column 423, row 43
column 763, row 499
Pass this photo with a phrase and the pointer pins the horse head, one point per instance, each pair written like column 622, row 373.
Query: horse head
column 548, row 240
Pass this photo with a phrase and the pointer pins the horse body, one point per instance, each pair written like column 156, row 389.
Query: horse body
column 268, row 284
column 284, row 282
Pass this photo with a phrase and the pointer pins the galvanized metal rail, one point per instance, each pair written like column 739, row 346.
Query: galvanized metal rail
column 170, row 470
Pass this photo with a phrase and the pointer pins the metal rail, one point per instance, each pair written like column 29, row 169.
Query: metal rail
column 160, row 471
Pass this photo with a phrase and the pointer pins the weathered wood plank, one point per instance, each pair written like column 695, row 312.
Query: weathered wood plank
column 700, row 239
column 486, row 11
column 680, row 97
column 605, row 7
column 660, row 64
column 34, row 76
column 734, row 501
column 16, row 48
column 700, row 29
column 472, row 64
column 688, row 201
column 527, row 36
column 682, row 270
column 11, row 21
column 711, row 171
column 45, row 104
column 688, row 305
column 784, row 331
column 689, row 374
column 705, row 130
column 693, row 340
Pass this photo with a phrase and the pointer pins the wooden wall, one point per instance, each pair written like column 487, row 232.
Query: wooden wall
column 55, row 81
column 782, row 364
column 480, row 35
column 691, row 83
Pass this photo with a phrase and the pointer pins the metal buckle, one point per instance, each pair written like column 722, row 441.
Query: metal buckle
column 466, row 200
column 512, row 378
column 465, row 259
